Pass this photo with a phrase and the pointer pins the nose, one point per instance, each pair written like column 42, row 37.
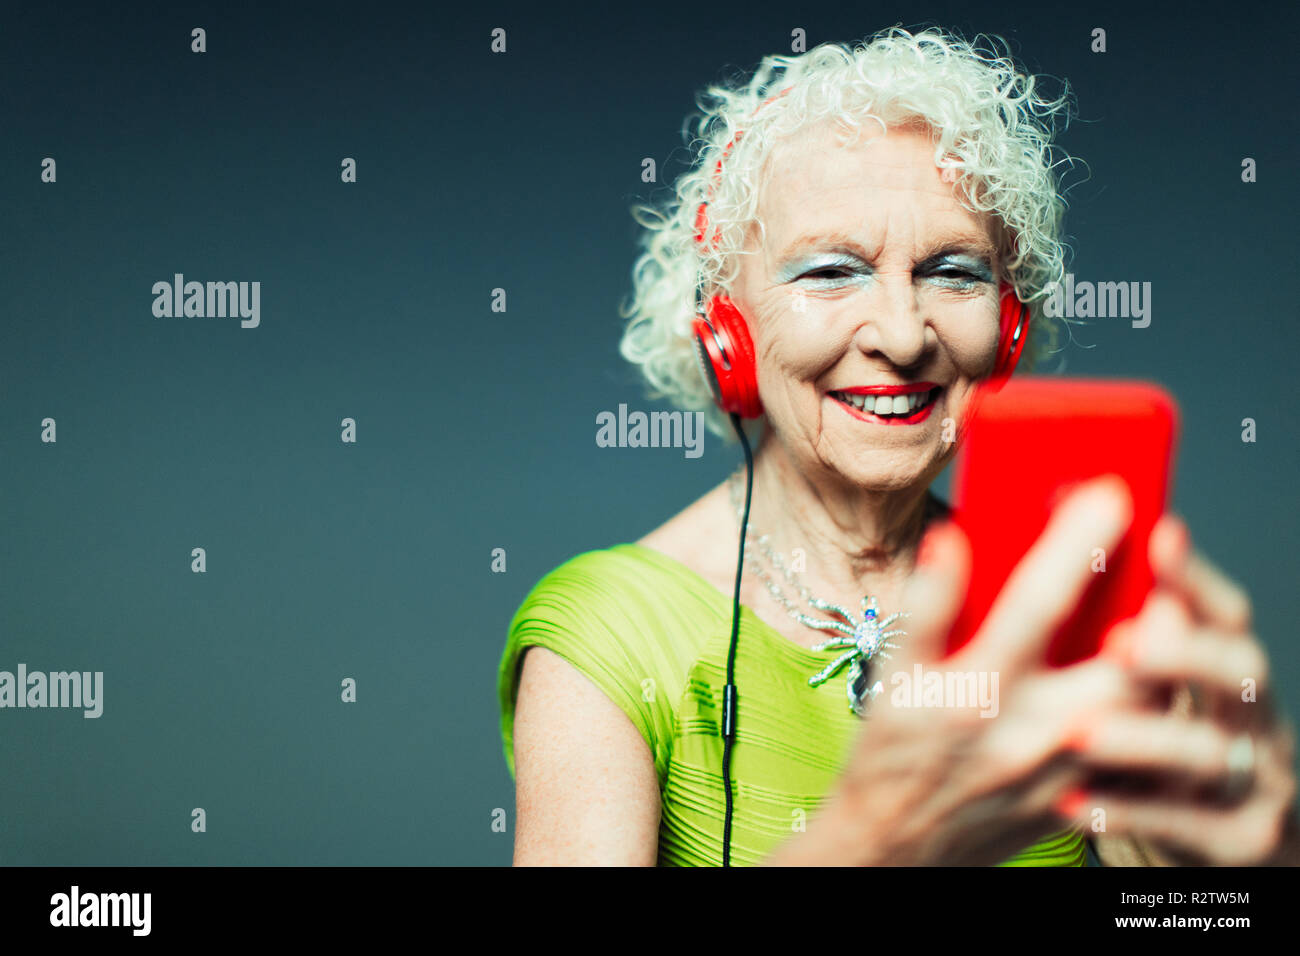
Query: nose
column 892, row 325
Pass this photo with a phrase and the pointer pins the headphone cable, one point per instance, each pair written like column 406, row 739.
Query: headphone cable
column 729, row 691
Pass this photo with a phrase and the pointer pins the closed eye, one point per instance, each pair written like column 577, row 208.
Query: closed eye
column 959, row 279
column 830, row 272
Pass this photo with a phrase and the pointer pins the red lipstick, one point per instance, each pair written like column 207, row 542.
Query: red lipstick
column 887, row 389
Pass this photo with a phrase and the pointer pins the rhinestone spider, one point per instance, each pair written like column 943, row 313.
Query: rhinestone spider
column 867, row 638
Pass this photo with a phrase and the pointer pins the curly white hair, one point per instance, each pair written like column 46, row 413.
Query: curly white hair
column 992, row 129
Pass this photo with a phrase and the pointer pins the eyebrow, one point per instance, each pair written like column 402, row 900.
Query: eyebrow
column 967, row 243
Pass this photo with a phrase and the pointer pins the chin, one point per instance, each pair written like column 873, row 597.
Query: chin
column 889, row 470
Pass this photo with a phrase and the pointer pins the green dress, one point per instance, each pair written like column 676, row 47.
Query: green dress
column 653, row 635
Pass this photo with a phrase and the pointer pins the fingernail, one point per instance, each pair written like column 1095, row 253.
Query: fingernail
column 928, row 551
column 1071, row 805
column 1078, row 737
column 1121, row 645
column 1109, row 499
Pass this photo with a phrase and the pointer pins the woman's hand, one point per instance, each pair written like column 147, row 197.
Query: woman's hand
column 1195, row 628
column 928, row 785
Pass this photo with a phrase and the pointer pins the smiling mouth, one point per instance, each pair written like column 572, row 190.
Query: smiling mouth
column 897, row 408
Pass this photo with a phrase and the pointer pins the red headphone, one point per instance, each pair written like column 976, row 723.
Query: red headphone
column 726, row 352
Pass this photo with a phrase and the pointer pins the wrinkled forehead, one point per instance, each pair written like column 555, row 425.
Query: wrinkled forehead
column 832, row 175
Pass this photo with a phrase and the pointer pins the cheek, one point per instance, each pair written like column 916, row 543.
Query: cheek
column 972, row 347
column 958, row 400
column 972, row 350
column 793, row 344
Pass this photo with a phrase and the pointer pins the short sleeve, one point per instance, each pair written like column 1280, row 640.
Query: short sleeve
column 598, row 612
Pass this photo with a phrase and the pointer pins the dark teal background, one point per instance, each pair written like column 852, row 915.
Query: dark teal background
column 476, row 429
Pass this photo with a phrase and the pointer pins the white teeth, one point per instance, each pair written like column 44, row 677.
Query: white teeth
column 887, row 404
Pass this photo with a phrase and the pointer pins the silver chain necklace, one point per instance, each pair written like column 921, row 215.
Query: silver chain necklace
column 867, row 636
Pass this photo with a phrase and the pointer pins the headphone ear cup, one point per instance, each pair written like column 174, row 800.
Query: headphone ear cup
column 705, row 346
column 1013, row 329
column 726, row 355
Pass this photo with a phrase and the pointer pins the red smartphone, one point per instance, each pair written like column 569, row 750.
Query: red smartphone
column 1024, row 447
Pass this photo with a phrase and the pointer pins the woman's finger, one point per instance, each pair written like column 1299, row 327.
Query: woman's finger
column 1235, row 670
column 1168, row 548
column 933, row 595
column 1038, row 721
column 1047, row 584
column 1246, row 835
column 1219, row 599
column 1213, row 597
column 1162, row 646
column 1194, row 752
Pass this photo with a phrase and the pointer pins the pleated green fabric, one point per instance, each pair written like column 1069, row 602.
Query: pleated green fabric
column 653, row 635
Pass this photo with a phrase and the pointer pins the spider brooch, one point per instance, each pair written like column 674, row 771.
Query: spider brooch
column 867, row 638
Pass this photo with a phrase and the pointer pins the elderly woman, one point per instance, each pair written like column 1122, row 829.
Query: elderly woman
column 859, row 217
